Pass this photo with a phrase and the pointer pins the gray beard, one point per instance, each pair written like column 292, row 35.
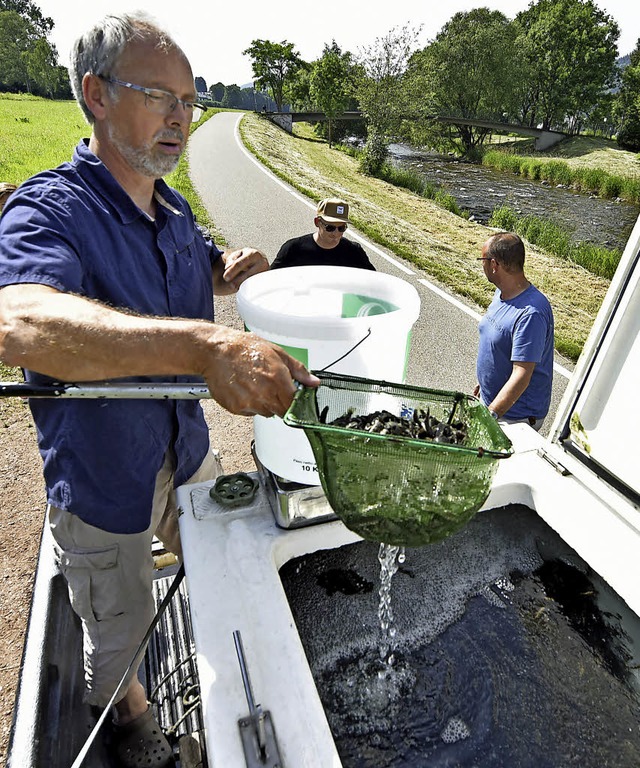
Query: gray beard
column 141, row 159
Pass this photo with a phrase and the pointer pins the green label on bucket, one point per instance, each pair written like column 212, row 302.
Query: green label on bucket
column 300, row 353
column 354, row 305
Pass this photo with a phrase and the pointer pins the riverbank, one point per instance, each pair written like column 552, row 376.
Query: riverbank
column 567, row 170
column 442, row 244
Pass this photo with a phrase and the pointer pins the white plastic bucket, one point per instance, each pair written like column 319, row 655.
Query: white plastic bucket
column 318, row 314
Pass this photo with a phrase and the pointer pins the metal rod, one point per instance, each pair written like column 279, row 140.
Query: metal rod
column 237, row 639
column 164, row 390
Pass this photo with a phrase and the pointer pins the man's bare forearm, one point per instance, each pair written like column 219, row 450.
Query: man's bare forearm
column 513, row 388
column 73, row 338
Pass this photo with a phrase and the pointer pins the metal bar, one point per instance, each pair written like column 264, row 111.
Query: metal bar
column 173, row 690
column 194, row 679
column 237, row 639
column 168, row 662
column 185, row 679
column 256, row 731
column 99, row 390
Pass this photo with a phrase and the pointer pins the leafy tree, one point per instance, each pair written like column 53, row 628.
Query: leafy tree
column 217, row 92
column 297, row 92
column 274, row 64
column 601, row 118
column 28, row 61
column 29, row 11
column 470, row 70
column 14, row 40
column 627, row 107
column 41, row 63
column 232, row 98
column 570, row 47
column 331, row 83
column 381, row 91
column 201, row 85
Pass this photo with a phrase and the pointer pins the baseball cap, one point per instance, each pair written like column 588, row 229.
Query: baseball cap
column 333, row 210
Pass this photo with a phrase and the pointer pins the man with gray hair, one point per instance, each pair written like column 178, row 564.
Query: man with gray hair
column 104, row 274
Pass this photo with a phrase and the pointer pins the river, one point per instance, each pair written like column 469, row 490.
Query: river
column 479, row 190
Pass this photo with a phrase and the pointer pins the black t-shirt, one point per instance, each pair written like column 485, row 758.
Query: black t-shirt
column 304, row 252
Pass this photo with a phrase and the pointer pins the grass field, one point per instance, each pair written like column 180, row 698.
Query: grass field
column 36, row 134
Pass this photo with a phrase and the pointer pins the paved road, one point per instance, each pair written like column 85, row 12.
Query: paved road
column 251, row 206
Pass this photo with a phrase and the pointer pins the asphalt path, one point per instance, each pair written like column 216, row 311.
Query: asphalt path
column 252, row 207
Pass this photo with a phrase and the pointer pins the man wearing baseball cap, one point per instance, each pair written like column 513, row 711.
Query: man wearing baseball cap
column 326, row 246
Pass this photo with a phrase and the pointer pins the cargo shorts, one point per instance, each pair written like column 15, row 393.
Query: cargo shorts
column 109, row 577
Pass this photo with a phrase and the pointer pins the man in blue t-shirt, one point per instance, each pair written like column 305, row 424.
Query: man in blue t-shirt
column 104, row 274
column 515, row 352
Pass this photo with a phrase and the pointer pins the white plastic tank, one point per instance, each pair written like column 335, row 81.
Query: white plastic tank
column 347, row 320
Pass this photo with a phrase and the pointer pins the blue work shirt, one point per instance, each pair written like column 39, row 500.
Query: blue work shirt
column 75, row 229
column 517, row 330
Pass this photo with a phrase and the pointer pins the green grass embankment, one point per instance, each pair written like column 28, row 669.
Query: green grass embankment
column 585, row 164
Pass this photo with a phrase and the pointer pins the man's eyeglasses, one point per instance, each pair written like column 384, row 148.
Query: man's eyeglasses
column 333, row 227
column 484, row 258
column 160, row 102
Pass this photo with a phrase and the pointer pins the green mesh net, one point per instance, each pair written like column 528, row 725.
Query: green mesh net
column 393, row 489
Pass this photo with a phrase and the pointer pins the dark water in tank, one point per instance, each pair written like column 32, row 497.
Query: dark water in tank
column 510, row 652
column 480, row 190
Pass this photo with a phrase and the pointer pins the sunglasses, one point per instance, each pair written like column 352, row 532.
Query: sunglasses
column 333, row 227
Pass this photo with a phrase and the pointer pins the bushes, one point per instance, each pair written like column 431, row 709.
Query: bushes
column 592, row 180
column 557, row 172
column 629, row 135
column 373, row 155
column 631, row 190
column 502, row 161
column 401, row 177
column 553, row 238
column 534, row 170
column 415, row 182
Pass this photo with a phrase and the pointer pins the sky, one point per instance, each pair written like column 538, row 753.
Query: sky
column 214, row 34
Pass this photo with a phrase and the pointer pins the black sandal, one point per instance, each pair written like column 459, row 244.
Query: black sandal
column 141, row 743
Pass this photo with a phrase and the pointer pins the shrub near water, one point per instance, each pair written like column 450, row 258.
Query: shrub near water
column 553, row 238
column 556, row 171
column 593, row 180
column 415, row 182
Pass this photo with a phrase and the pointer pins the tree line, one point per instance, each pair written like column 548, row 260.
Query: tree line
column 552, row 66
column 28, row 61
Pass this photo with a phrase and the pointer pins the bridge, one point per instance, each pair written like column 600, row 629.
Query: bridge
column 543, row 138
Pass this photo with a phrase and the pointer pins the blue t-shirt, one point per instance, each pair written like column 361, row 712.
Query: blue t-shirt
column 517, row 330
column 76, row 230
